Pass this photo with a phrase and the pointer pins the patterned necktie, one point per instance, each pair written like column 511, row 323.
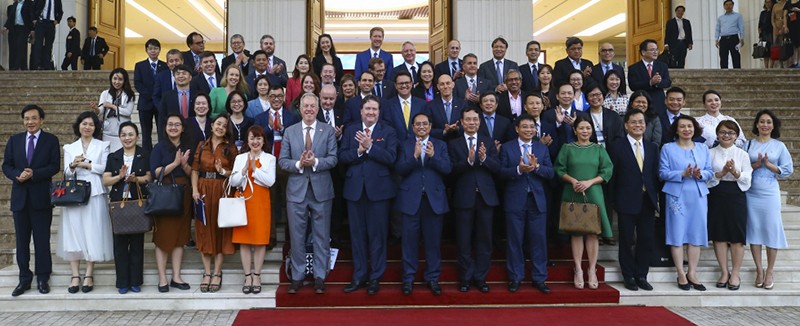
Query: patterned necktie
column 327, row 116
column 155, row 68
column 473, row 86
column 499, row 71
column 448, row 110
column 454, row 69
column 308, row 138
column 31, row 146
column 527, row 151
column 184, row 105
column 211, row 84
column 423, row 145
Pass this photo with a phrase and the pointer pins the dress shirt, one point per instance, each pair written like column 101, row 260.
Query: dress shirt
column 681, row 33
column 575, row 64
column 729, row 24
column 18, row 20
column 264, row 104
column 472, row 82
column 278, row 134
column 450, row 62
column 671, row 117
column 409, row 66
column 313, row 126
column 522, row 151
column 424, row 144
column 332, row 116
column 216, row 82
column 374, row 54
column 48, row 14
column 633, row 141
column 474, row 142
column 35, row 140
column 371, row 130
column 516, row 103
column 566, row 111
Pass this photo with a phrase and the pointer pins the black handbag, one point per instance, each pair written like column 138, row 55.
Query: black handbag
column 128, row 217
column 787, row 49
column 73, row 192
column 667, row 58
column 760, row 50
column 164, row 199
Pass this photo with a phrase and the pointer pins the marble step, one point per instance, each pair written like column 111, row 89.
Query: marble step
column 708, row 272
column 668, row 294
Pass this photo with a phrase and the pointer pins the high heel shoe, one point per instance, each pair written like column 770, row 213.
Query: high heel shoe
column 256, row 287
column 769, row 281
column 74, row 289
column 214, row 287
column 578, row 279
column 724, row 284
column 204, row 285
column 730, row 284
column 696, row 286
column 593, row 283
column 759, row 278
column 247, row 289
column 87, row 288
column 685, row 287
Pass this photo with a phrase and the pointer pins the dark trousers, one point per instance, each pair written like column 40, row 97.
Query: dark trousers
column 42, row 49
column 727, row 45
column 278, row 203
column 530, row 223
column 678, row 51
column 474, row 228
column 146, row 118
column 129, row 259
column 18, row 48
column 70, row 62
column 636, row 232
column 369, row 230
column 340, row 207
column 91, row 63
column 36, row 223
column 430, row 225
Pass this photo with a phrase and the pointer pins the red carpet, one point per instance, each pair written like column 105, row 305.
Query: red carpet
column 620, row 315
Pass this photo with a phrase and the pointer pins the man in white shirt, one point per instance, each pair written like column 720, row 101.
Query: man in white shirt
column 678, row 37
column 530, row 70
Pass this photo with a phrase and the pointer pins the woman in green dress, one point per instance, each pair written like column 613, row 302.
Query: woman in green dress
column 584, row 166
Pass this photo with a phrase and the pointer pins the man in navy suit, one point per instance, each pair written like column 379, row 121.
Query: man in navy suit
column 375, row 51
column 563, row 115
column 409, row 64
column 144, row 78
column 240, row 55
column 398, row 110
column 423, row 163
column 192, row 57
column 527, row 167
column 19, row 26
column 530, row 70
column 573, row 61
column 181, row 99
column 259, row 68
column 94, row 50
column 73, row 46
column 678, row 36
column 636, row 199
column 445, row 110
column 489, row 69
column 606, row 53
column 275, row 66
column 352, row 108
column 676, row 99
column 451, row 66
column 208, row 78
column 546, row 131
column 368, row 151
column 164, row 82
column 30, row 160
column 474, row 162
column 493, row 125
column 46, row 15
column 650, row 75
column 472, row 85
column 383, row 88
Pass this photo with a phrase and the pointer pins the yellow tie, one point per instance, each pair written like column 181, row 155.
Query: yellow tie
column 406, row 111
column 639, row 159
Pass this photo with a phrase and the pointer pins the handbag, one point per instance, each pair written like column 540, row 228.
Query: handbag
column 232, row 211
column 775, row 52
column 73, row 192
column 128, row 217
column 787, row 49
column 164, row 199
column 760, row 50
column 667, row 58
column 579, row 218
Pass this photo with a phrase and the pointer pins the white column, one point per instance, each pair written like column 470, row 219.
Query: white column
column 751, row 11
column 703, row 15
column 285, row 20
column 477, row 22
column 80, row 10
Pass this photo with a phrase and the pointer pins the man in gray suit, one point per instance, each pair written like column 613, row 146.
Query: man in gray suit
column 308, row 153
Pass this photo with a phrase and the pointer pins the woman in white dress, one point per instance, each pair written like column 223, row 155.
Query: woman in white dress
column 712, row 101
column 85, row 231
column 115, row 106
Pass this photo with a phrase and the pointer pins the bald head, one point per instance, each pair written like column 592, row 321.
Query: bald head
column 327, row 96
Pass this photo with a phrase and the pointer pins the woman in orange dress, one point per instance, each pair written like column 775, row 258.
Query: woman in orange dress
column 256, row 164
column 213, row 163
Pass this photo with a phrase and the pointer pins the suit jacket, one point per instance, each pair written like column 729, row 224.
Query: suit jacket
column 188, row 59
column 501, row 131
column 672, row 162
column 254, row 108
column 546, row 128
column 564, row 131
column 392, row 113
column 417, row 176
column 369, row 174
column 231, row 58
column 199, row 84
column 145, row 81
column 288, row 118
column 562, row 69
column 504, row 105
column 362, row 63
column 39, row 8
column 462, row 85
column 34, row 193
column 338, row 114
column 139, row 167
column 100, row 46
column 352, row 110
column 671, row 33
column 443, row 68
column 74, row 42
column 402, row 67
column 517, row 185
column 324, row 148
column 387, row 89
column 613, row 128
column 318, row 62
column 488, row 71
column 598, row 76
column 27, row 18
column 528, row 84
column 476, row 177
column 171, row 104
column 666, row 131
column 282, row 78
column 628, row 180
column 439, row 116
column 639, row 79
column 163, row 84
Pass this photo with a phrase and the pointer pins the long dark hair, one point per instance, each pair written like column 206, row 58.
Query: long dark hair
column 776, row 123
column 651, row 112
column 126, row 84
column 98, row 126
column 184, row 137
column 318, row 51
column 296, row 72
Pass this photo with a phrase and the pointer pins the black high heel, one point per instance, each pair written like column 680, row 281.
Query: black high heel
column 215, row 287
column 87, row 288
column 256, row 289
column 686, row 286
column 74, row 289
column 247, row 289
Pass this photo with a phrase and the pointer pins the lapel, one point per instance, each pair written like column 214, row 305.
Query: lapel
column 317, row 137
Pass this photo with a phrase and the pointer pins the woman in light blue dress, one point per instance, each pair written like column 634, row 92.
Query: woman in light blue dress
column 770, row 160
column 685, row 166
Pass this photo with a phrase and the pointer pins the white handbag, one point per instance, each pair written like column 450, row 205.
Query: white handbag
column 232, row 211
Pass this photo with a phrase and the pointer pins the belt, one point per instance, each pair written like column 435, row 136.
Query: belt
column 211, row 175
column 730, row 36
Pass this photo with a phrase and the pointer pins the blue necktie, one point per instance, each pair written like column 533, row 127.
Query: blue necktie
column 535, row 74
column 499, row 71
column 527, row 151
column 448, row 110
column 155, row 66
column 490, row 125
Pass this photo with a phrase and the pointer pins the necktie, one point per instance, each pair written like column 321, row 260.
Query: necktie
column 448, row 110
column 269, row 65
column 406, row 111
column 379, row 90
column 375, row 55
column 499, row 71
column 538, row 130
column 535, row 74
column 211, row 84
column 367, row 132
column 327, row 116
column 184, row 105
column 276, row 147
column 413, row 75
column 469, row 142
column 490, row 125
column 650, row 69
column 423, row 145
column 93, row 40
column 31, row 145
column 639, row 158
column 527, row 150
column 454, row 68
column 308, row 138
column 49, row 9
column 154, row 66
column 196, row 61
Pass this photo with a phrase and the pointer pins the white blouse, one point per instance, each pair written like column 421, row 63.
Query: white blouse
column 709, row 124
column 263, row 176
column 741, row 160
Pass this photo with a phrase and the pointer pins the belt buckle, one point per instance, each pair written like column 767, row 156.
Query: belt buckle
column 210, row 175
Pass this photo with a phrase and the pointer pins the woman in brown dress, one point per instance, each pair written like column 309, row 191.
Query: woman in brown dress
column 173, row 158
column 212, row 164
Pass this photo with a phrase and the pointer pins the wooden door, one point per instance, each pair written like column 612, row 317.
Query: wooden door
column 439, row 21
column 316, row 24
column 109, row 18
column 646, row 20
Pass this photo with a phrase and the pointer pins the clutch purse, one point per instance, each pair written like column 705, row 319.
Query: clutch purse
column 73, row 192
column 232, row 211
column 579, row 217
column 128, row 217
column 164, row 199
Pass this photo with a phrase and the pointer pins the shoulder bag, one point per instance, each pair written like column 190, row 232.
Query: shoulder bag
column 232, row 211
column 128, row 217
column 164, row 199
column 73, row 192
column 579, row 217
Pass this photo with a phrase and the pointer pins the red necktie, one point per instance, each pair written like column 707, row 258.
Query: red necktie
column 367, row 132
column 650, row 69
column 184, row 105
column 276, row 148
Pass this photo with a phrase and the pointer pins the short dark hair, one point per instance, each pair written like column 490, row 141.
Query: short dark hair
column 32, row 107
column 730, row 125
column 372, row 62
column 486, row 94
column 534, row 94
column 470, row 109
column 572, row 41
column 710, row 91
column 610, row 73
column 128, row 124
column 98, row 127
column 207, row 54
column 259, row 52
column 651, row 112
column 631, row 112
column 427, row 116
column 581, row 118
column 676, row 89
column 368, row 98
column 190, row 38
column 680, row 7
column 776, row 123
column 370, row 73
column 72, row 19
column 402, row 73
column 470, row 55
column 534, row 42
column 257, row 131
column 522, row 117
column 726, row 1
column 230, row 97
column 182, row 67
column 203, row 95
column 378, row 29
column 673, row 128
column 501, row 40
column 643, row 45
column 92, row 28
column 153, row 42
column 276, row 88
column 258, row 79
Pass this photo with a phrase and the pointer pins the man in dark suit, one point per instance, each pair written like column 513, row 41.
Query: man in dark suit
column 409, row 63
column 46, row 14
column 19, row 26
column 635, row 187
column 144, row 78
column 510, row 102
column 375, row 51
column 676, row 99
column 275, row 66
column 489, row 69
column 650, row 75
column 527, row 167
column 94, row 49
column 30, row 160
column 208, row 78
column 383, row 88
column 181, row 99
column 192, row 57
column 563, row 115
column 164, row 82
column 422, row 163
column 492, row 124
column 573, row 61
column 599, row 70
column 352, row 108
column 398, row 110
column 678, row 36
column 530, row 70
column 451, row 66
column 472, row 85
column 240, row 55
column 258, row 65
column 445, row 110
column 474, row 162
column 368, row 151
column 73, row 46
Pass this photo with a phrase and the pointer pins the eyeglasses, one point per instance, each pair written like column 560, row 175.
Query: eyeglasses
column 595, row 94
column 173, row 124
column 636, row 122
column 727, row 133
column 273, row 96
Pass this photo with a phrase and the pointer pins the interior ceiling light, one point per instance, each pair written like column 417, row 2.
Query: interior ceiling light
column 604, row 25
column 367, row 6
column 131, row 34
column 565, row 17
column 153, row 16
column 211, row 18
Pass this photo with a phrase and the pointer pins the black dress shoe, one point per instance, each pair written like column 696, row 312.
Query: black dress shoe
column 43, row 287
column 76, row 288
column 463, row 286
column 408, row 287
column 685, row 287
column 643, row 284
column 373, row 287
column 436, row 289
column 541, row 286
column 182, row 286
column 20, row 289
column 295, row 286
column 87, row 288
column 482, row 286
column 163, row 288
column 513, row 286
column 697, row 286
column 631, row 284
column 354, row 285
column 319, row 286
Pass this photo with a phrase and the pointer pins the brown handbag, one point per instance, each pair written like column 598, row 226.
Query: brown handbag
column 579, row 217
column 127, row 216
